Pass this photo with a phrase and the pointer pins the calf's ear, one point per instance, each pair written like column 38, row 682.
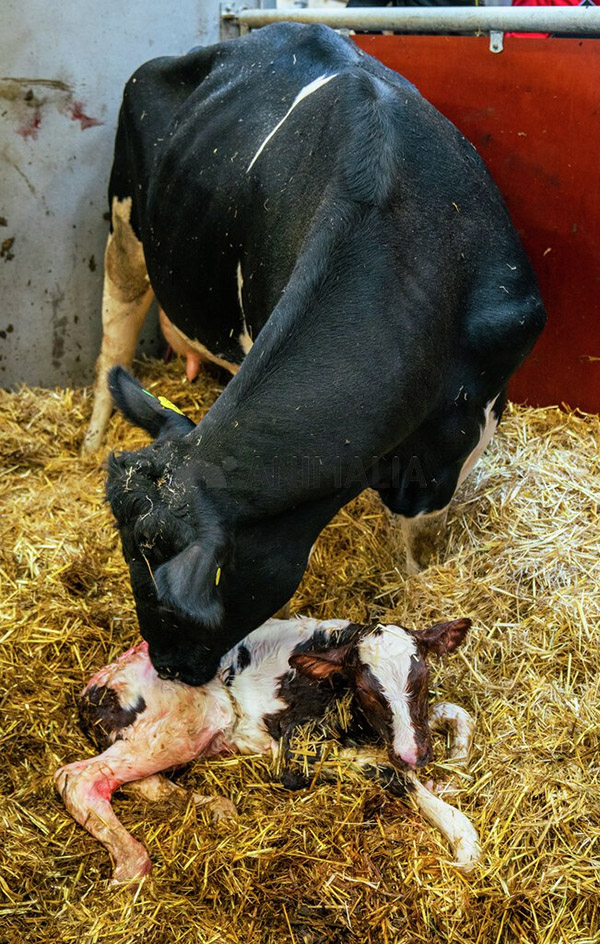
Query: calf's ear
column 190, row 582
column 144, row 409
column 443, row 637
column 320, row 665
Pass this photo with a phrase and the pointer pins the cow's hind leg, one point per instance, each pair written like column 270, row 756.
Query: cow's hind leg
column 126, row 298
column 422, row 494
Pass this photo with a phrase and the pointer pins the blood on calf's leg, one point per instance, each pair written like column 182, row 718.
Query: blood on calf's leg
column 86, row 788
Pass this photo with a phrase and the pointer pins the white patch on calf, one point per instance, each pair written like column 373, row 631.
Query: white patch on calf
column 255, row 689
column 302, row 94
column 388, row 653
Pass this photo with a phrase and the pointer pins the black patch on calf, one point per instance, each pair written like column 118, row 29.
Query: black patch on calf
column 306, row 699
column 243, row 657
column 103, row 717
column 323, row 639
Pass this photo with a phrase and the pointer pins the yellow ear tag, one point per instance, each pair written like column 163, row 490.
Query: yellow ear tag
column 170, row 406
column 218, row 577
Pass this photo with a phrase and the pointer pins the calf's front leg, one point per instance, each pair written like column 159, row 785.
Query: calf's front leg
column 454, row 826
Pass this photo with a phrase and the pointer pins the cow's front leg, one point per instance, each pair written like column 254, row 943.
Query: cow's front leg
column 422, row 537
column 126, row 298
column 158, row 787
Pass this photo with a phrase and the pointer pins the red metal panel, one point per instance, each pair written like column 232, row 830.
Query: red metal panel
column 533, row 113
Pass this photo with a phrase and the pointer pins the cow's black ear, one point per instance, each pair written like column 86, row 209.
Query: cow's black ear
column 144, row 409
column 190, row 582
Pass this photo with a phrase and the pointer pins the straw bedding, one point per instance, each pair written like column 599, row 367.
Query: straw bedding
column 341, row 862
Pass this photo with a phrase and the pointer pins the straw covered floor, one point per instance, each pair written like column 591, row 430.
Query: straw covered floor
column 340, row 862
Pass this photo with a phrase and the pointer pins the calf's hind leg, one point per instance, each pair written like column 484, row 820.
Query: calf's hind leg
column 157, row 787
column 86, row 788
column 126, row 298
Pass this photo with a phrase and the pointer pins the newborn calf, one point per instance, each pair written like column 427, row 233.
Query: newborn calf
column 285, row 674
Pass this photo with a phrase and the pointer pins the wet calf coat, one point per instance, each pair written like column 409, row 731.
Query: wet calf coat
column 303, row 212
column 284, row 676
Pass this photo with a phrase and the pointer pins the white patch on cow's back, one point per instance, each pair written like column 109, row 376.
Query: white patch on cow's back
column 255, row 688
column 302, row 94
column 388, row 652
column 488, row 429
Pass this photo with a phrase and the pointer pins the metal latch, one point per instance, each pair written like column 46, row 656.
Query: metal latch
column 496, row 40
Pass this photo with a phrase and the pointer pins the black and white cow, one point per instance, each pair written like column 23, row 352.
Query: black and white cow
column 285, row 675
column 289, row 198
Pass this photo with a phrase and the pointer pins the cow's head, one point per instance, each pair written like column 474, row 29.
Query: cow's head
column 173, row 539
column 388, row 672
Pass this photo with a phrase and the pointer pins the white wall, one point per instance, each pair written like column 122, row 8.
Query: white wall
column 60, row 61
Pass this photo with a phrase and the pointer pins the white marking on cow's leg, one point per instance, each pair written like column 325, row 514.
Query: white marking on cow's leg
column 126, row 298
column 421, row 538
column 490, row 424
column 244, row 337
column 422, row 533
column 302, row 94
column 158, row 787
column 454, row 826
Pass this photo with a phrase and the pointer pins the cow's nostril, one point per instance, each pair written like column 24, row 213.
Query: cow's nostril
column 166, row 672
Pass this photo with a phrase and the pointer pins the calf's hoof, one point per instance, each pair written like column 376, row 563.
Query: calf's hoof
column 220, row 808
column 133, row 867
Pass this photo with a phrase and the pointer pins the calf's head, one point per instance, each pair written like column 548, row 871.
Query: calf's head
column 387, row 669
